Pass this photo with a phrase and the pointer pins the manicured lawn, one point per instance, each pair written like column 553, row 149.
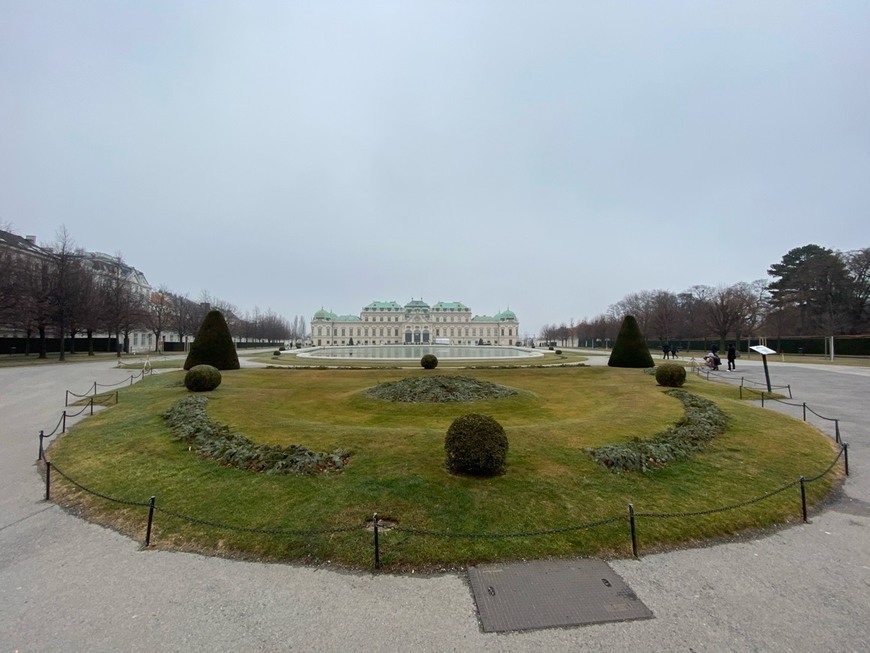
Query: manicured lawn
column 396, row 468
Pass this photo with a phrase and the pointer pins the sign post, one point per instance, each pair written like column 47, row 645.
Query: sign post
column 764, row 351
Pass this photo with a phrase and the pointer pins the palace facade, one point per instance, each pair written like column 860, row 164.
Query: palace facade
column 388, row 323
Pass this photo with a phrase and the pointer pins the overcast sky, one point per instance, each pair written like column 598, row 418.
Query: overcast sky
column 549, row 157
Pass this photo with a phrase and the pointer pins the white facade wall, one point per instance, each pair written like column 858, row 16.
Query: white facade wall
column 388, row 323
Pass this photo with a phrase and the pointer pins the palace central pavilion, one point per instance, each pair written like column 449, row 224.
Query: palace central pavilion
column 388, row 323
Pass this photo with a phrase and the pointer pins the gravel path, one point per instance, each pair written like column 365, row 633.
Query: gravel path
column 67, row 585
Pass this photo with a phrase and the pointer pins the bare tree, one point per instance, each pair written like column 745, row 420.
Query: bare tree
column 159, row 313
column 663, row 315
column 123, row 308
column 65, row 272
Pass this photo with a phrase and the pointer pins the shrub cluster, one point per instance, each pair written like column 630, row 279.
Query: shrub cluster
column 188, row 422
column 703, row 421
column 476, row 444
column 429, row 361
column 202, row 378
column 670, row 375
column 437, row 389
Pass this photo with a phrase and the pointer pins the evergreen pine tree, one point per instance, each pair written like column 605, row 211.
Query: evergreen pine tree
column 630, row 349
column 213, row 344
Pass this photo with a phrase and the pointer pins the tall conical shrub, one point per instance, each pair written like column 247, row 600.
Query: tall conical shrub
column 213, row 344
column 630, row 348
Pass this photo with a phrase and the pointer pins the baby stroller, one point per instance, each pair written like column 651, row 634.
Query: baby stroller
column 712, row 361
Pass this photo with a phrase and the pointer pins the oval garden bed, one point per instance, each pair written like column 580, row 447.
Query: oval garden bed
column 395, row 467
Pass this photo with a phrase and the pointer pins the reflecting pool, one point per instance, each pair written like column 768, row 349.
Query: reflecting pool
column 415, row 352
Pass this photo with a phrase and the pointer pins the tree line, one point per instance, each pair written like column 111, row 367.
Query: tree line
column 63, row 291
column 813, row 290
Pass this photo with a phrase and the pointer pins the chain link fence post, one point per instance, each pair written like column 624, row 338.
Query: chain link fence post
column 377, row 544
column 846, row 457
column 803, row 499
column 150, row 521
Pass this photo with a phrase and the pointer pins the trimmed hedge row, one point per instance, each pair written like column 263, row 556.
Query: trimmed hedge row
column 703, row 421
column 188, row 422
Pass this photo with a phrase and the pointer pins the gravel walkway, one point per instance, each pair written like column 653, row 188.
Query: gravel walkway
column 67, row 585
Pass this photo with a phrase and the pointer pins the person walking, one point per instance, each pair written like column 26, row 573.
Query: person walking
column 666, row 350
column 732, row 354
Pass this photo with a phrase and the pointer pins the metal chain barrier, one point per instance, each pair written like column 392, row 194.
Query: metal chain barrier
column 494, row 536
column 125, row 502
column 265, row 531
column 843, row 453
column 713, row 511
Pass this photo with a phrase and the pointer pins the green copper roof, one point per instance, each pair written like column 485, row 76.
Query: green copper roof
column 416, row 304
column 325, row 315
column 506, row 315
column 383, row 306
column 450, row 306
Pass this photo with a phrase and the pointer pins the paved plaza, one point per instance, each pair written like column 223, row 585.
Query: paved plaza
column 68, row 585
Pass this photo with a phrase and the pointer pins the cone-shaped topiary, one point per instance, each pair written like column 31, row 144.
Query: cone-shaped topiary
column 630, row 348
column 213, row 344
column 476, row 444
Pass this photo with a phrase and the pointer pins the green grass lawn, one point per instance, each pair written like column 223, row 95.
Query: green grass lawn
column 396, row 468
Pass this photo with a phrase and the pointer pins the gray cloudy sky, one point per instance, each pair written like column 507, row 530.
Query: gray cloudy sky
column 550, row 157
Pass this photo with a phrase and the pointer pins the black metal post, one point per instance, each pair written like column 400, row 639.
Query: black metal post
column 41, row 449
column 92, row 406
column 803, row 499
column 66, row 398
column 837, row 431
column 762, row 398
column 805, row 411
column 633, row 530
column 95, row 387
column 766, row 372
column 846, row 456
column 150, row 521
column 63, row 430
column 377, row 544
column 47, row 480
column 789, row 391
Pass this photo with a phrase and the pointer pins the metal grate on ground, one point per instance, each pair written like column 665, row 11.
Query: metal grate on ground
column 552, row 594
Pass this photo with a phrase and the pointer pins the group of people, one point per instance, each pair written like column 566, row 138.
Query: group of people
column 712, row 360
column 669, row 351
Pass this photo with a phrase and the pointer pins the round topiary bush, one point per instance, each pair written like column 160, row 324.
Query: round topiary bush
column 202, row 378
column 477, row 445
column 671, row 376
column 558, row 352
column 429, row 361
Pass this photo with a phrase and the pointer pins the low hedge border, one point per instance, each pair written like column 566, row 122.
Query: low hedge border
column 188, row 422
column 703, row 421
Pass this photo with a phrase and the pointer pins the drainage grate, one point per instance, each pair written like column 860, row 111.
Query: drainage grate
column 552, row 594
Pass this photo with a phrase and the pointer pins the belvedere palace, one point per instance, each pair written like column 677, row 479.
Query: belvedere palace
column 388, row 323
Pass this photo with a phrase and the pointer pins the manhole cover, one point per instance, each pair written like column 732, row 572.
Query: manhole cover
column 552, row 594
